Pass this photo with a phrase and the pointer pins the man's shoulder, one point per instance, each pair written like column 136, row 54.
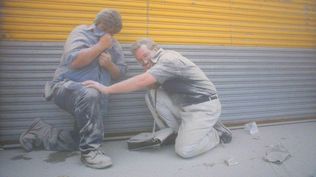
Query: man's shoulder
column 80, row 29
column 170, row 53
column 169, row 56
column 78, row 32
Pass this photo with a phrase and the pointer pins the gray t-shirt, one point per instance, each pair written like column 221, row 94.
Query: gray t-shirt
column 84, row 37
column 178, row 75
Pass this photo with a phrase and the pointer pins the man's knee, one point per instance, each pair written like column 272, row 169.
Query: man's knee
column 88, row 99
column 187, row 151
column 91, row 95
column 191, row 148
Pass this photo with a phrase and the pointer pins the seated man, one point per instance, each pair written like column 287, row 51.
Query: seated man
column 186, row 100
column 90, row 53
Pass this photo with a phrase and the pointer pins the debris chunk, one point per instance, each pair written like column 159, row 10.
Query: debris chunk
column 252, row 128
column 231, row 162
column 277, row 154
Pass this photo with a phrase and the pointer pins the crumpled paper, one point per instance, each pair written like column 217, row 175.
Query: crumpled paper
column 277, row 154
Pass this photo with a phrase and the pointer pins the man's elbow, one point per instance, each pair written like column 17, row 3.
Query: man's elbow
column 153, row 86
column 116, row 76
column 147, row 80
column 75, row 65
column 120, row 74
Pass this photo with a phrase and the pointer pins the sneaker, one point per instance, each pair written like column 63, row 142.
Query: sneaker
column 224, row 133
column 96, row 159
column 144, row 140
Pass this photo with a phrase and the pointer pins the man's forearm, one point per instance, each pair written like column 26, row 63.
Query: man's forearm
column 86, row 56
column 114, row 70
column 132, row 84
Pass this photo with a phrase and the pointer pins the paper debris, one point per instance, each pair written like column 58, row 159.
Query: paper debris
column 231, row 162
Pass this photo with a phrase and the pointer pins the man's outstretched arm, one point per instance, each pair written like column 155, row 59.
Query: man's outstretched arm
column 135, row 83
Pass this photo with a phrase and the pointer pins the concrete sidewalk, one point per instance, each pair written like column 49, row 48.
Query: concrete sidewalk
column 247, row 150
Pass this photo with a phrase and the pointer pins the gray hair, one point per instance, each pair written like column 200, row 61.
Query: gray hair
column 149, row 43
column 111, row 19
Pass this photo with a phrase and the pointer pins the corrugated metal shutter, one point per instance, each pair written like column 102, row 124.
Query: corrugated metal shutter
column 260, row 83
column 283, row 23
column 253, row 83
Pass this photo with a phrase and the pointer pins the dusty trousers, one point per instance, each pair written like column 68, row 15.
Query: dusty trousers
column 193, row 123
column 84, row 104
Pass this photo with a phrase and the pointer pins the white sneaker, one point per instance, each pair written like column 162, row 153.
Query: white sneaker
column 96, row 159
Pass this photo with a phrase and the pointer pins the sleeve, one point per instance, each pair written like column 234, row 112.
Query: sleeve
column 118, row 57
column 165, row 69
column 75, row 42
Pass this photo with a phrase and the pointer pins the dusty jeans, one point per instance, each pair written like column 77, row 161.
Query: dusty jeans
column 84, row 104
column 193, row 123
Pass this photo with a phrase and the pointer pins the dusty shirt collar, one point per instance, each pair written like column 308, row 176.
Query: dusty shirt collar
column 96, row 30
column 157, row 55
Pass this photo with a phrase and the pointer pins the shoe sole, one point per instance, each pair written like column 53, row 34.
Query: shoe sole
column 226, row 138
column 223, row 126
column 35, row 122
column 96, row 166
column 227, row 134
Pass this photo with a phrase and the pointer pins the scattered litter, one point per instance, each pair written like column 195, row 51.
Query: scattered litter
column 209, row 164
column 276, row 154
column 231, row 162
column 59, row 156
column 253, row 158
column 256, row 138
column 205, row 164
column 251, row 128
column 21, row 157
column 10, row 146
